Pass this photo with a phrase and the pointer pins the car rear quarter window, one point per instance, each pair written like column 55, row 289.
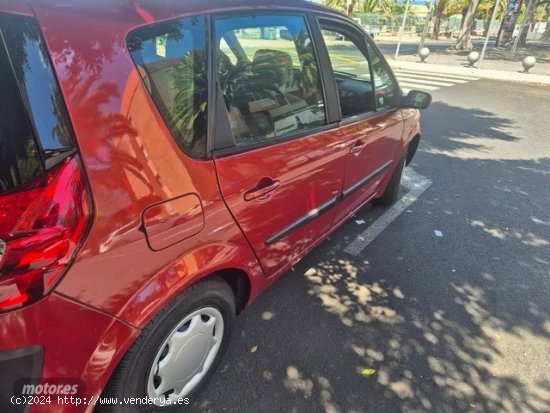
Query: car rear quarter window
column 35, row 133
column 172, row 60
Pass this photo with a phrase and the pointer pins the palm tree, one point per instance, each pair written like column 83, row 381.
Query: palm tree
column 190, row 82
column 336, row 4
column 370, row 6
column 364, row 6
column 546, row 34
column 464, row 41
column 440, row 9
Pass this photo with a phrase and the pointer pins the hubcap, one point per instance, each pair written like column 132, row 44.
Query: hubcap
column 185, row 356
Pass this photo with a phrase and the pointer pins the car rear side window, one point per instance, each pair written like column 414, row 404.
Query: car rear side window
column 268, row 75
column 35, row 133
column 173, row 62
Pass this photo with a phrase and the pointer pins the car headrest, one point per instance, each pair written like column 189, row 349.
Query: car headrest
column 274, row 67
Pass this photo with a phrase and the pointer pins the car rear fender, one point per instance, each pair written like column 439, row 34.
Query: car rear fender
column 178, row 275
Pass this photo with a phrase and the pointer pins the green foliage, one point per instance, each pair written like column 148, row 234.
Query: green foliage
column 190, row 82
column 369, row 6
column 486, row 6
column 390, row 8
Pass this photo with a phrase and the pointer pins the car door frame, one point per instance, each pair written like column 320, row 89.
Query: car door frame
column 223, row 144
column 221, row 138
column 324, row 58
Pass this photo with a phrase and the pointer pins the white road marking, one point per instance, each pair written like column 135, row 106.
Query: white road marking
column 435, row 82
column 411, row 79
column 417, row 85
column 416, row 184
column 435, row 75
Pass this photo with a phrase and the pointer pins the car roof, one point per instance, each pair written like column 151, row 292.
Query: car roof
column 162, row 9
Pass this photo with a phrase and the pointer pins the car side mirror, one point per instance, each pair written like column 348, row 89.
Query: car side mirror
column 416, row 99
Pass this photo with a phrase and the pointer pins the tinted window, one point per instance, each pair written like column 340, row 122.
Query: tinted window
column 351, row 71
column 19, row 158
column 383, row 81
column 37, row 83
column 35, row 133
column 172, row 60
column 268, row 75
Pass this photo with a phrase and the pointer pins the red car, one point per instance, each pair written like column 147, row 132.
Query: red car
column 161, row 164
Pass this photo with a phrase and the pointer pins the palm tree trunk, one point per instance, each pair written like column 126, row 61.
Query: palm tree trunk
column 529, row 20
column 464, row 42
column 546, row 34
column 437, row 26
column 351, row 9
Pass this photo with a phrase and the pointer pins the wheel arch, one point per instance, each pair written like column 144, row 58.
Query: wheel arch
column 412, row 148
column 239, row 282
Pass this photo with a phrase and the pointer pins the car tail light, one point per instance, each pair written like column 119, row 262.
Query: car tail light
column 41, row 227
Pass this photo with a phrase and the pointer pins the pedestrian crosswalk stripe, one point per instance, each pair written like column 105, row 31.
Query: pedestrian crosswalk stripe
column 439, row 75
column 406, row 86
column 435, row 82
column 411, row 79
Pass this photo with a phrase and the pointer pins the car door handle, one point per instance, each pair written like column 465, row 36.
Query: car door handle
column 357, row 147
column 263, row 190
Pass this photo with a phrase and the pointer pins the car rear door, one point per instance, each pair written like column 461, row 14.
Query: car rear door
column 277, row 150
column 372, row 125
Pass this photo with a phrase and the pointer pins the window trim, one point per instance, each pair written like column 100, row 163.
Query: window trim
column 327, row 79
column 303, row 133
column 221, row 146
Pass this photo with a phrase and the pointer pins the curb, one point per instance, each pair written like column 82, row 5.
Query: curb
column 480, row 73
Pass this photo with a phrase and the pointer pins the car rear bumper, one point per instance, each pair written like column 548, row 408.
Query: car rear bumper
column 16, row 367
column 61, row 344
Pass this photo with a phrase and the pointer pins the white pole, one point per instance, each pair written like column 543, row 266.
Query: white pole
column 402, row 29
column 493, row 18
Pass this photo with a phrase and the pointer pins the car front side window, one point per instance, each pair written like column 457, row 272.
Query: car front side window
column 384, row 84
column 268, row 75
column 350, row 67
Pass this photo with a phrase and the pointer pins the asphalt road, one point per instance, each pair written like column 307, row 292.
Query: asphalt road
column 458, row 323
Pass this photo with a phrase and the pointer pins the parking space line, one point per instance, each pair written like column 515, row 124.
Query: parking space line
column 416, row 184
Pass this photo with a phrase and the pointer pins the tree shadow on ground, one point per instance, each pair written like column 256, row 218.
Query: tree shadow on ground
column 451, row 324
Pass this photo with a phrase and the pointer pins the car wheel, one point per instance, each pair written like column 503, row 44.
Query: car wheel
column 177, row 352
column 390, row 195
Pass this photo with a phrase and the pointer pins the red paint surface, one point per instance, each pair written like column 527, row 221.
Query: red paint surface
column 117, row 283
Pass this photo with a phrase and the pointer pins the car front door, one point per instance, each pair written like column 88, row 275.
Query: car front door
column 372, row 125
column 282, row 170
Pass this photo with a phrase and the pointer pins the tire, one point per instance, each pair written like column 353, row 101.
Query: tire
column 185, row 323
column 390, row 195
